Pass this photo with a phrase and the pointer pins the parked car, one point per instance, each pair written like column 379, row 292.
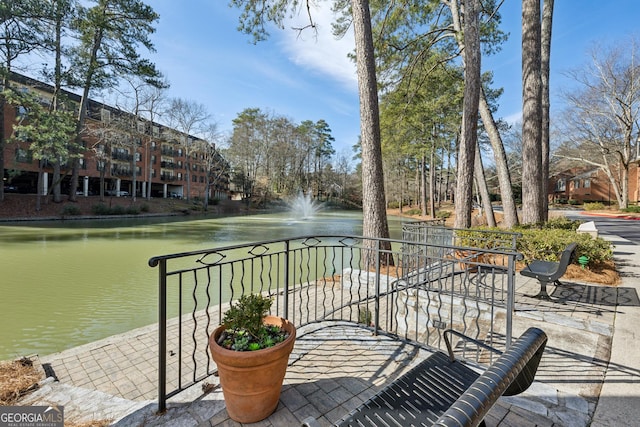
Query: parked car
column 122, row 193
column 8, row 188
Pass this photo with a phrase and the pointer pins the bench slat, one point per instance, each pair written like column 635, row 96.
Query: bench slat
column 417, row 398
column 511, row 374
column 439, row 391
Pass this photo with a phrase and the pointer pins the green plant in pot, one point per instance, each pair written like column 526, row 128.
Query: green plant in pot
column 251, row 350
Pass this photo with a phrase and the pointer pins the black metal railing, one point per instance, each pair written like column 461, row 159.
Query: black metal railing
column 411, row 290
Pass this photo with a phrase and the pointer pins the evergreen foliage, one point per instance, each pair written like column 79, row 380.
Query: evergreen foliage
column 245, row 330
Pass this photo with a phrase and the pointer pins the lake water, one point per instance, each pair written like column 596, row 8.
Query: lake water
column 64, row 284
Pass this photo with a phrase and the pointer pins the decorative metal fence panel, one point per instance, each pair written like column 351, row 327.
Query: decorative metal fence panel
column 410, row 289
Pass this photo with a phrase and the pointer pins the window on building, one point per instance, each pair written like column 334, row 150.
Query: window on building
column 587, row 183
column 155, row 131
column 576, row 183
column 105, row 115
column 194, row 178
column 23, row 156
column 83, row 163
column 179, row 177
column 138, row 157
column 153, row 160
column 561, row 185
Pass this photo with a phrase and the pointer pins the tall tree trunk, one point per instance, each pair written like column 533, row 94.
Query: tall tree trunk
column 624, row 187
column 82, row 112
column 3, row 142
column 55, row 104
column 448, row 198
column 2, row 145
column 40, row 187
column 402, row 181
column 468, row 141
column 509, row 208
column 374, row 222
column 432, row 184
column 483, row 189
column 531, row 114
column 423, row 184
column 545, row 49
column 57, row 179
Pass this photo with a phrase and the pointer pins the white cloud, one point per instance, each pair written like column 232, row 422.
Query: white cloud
column 514, row 118
column 320, row 50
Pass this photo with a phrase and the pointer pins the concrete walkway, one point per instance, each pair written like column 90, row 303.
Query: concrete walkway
column 590, row 373
column 619, row 402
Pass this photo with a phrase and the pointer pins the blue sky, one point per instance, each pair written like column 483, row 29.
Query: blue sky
column 300, row 77
column 208, row 61
column 578, row 26
column 304, row 77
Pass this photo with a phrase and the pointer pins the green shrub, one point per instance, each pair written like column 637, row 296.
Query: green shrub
column 573, row 202
column 483, row 237
column 413, row 212
column 245, row 330
column 443, row 214
column 71, row 210
column 547, row 244
column 394, row 205
column 100, row 209
column 632, row 209
column 145, row 208
column 132, row 210
column 562, row 223
column 594, row 206
column 117, row 210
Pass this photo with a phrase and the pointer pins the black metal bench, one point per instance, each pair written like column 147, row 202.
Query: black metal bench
column 549, row 271
column 443, row 391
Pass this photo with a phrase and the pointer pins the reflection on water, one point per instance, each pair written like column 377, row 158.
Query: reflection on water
column 68, row 283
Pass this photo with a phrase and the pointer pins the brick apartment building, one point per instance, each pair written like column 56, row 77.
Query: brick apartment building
column 156, row 155
column 589, row 185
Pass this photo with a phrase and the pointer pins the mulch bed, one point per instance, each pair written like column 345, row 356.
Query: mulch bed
column 17, row 378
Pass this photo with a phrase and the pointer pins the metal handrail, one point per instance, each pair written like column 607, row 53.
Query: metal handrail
column 317, row 278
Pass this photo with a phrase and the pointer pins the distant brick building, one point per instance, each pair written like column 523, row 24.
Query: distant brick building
column 156, row 155
column 589, row 185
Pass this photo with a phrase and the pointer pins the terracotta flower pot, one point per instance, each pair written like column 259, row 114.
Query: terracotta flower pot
column 251, row 381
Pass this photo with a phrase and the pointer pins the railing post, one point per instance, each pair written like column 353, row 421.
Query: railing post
column 511, row 296
column 162, row 336
column 285, row 297
column 376, row 322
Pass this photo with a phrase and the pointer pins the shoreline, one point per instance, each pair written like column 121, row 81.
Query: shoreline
column 21, row 208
